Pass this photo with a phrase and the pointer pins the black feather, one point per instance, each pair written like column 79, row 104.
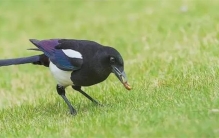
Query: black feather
column 35, row 49
column 16, row 61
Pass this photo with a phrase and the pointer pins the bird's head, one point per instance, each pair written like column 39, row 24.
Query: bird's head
column 116, row 64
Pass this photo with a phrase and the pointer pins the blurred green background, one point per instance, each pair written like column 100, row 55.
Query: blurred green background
column 170, row 49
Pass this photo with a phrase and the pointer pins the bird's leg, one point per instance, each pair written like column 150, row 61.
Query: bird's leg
column 61, row 92
column 78, row 88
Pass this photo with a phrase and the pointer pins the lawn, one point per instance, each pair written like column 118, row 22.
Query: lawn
column 171, row 54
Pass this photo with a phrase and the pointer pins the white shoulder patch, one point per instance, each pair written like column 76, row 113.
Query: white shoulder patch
column 72, row 53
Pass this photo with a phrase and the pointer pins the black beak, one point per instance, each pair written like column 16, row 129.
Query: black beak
column 122, row 77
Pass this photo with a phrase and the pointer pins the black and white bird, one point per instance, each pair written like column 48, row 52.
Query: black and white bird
column 75, row 63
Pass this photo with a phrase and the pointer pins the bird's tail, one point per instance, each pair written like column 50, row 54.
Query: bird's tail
column 38, row 59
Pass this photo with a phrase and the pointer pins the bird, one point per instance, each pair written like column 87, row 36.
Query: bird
column 76, row 63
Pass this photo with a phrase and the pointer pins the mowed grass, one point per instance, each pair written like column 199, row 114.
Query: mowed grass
column 171, row 54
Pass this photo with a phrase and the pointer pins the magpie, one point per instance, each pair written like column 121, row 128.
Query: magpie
column 75, row 63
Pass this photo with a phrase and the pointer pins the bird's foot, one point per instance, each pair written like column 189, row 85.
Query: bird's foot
column 73, row 111
column 98, row 104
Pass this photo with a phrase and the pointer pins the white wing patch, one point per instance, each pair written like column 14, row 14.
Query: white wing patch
column 72, row 53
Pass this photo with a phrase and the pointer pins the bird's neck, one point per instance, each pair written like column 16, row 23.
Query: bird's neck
column 99, row 66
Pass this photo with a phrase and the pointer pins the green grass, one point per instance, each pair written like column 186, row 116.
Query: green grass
column 171, row 60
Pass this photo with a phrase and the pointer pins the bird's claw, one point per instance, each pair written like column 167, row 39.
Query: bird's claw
column 73, row 111
column 98, row 104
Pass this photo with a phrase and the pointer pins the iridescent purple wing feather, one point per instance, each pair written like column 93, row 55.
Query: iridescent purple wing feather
column 56, row 56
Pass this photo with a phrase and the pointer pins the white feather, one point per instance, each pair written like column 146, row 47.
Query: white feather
column 63, row 78
column 72, row 53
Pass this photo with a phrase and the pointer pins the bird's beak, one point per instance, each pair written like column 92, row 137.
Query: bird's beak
column 122, row 77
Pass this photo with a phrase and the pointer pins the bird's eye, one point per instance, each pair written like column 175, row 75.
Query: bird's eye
column 112, row 60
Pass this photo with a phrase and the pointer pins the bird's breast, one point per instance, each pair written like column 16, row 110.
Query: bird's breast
column 87, row 77
column 63, row 78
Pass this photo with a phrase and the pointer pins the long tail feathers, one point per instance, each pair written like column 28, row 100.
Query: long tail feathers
column 35, row 49
column 16, row 61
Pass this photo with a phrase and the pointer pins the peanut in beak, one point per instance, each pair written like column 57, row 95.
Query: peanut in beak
column 127, row 86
